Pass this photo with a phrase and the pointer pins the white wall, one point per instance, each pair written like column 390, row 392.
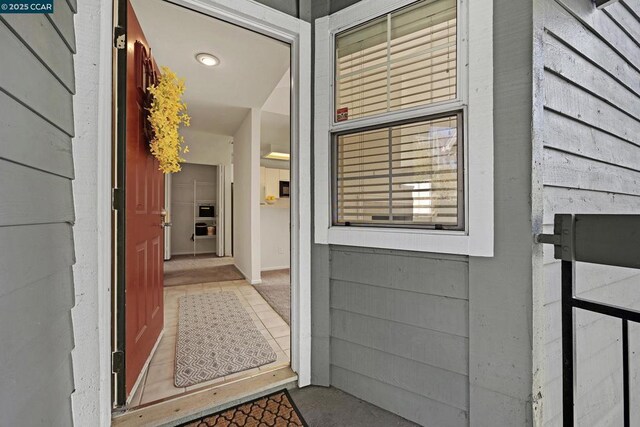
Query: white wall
column 246, row 194
column 207, row 148
column 275, row 236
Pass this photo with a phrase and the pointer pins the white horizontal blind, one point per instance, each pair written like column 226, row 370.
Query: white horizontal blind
column 401, row 175
column 401, row 60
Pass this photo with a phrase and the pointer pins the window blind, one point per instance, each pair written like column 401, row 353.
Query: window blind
column 405, row 174
column 401, row 60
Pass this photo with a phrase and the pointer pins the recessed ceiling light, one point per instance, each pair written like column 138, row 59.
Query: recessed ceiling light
column 207, row 59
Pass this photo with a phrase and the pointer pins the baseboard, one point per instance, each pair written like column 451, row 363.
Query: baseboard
column 253, row 282
column 286, row 267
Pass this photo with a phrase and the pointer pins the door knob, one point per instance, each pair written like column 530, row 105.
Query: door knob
column 164, row 219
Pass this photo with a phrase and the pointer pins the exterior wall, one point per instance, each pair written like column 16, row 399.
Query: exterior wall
column 500, row 288
column 590, row 138
column 36, row 217
column 399, row 332
column 389, row 342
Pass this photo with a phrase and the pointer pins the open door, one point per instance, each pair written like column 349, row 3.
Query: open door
column 144, row 223
column 139, row 200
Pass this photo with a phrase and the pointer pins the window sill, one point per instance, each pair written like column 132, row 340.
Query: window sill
column 436, row 241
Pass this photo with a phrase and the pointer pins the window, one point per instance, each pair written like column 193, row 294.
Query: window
column 402, row 175
column 399, row 173
column 402, row 60
column 403, row 126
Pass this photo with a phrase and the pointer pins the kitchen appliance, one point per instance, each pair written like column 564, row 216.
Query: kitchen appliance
column 201, row 228
column 206, row 211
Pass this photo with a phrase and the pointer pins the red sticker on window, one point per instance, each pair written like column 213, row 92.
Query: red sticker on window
column 342, row 114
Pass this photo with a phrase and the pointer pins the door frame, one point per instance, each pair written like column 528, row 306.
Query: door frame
column 297, row 33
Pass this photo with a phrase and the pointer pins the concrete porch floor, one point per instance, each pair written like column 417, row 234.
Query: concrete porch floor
column 330, row 407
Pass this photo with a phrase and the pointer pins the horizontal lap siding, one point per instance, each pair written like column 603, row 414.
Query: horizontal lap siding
column 591, row 139
column 399, row 332
column 36, row 215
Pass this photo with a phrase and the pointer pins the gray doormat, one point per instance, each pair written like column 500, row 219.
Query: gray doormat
column 216, row 337
column 190, row 276
column 276, row 290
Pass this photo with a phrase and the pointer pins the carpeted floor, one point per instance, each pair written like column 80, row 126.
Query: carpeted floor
column 189, row 270
column 276, row 290
column 216, row 337
column 276, row 409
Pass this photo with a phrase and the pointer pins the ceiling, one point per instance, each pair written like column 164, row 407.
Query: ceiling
column 253, row 68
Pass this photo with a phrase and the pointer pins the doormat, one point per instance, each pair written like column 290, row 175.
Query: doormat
column 277, row 409
column 276, row 290
column 216, row 337
column 190, row 276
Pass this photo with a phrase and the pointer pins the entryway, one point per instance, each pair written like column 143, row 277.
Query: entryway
column 206, row 259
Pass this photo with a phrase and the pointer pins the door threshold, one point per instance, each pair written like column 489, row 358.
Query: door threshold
column 182, row 408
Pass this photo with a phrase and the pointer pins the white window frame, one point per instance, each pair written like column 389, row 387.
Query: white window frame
column 474, row 98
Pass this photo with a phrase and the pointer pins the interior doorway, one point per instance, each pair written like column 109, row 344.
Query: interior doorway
column 214, row 288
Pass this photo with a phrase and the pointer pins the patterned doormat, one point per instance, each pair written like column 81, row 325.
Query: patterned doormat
column 216, row 337
column 276, row 409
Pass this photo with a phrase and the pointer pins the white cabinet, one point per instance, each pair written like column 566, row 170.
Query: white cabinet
column 270, row 181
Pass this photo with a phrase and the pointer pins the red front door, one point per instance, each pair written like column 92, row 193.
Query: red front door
column 144, row 190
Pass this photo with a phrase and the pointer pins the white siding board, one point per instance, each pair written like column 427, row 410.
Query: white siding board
column 588, row 277
column 633, row 6
column 559, row 22
column 421, row 345
column 42, row 93
column 433, row 383
column 414, row 407
column 567, row 170
column 428, row 311
column 590, row 165
column 33, row 252
column 33, row 197
column 561, row 96
column 402, row 272
column 583, row 73
column 625, row 19
column 41, row 145
column 605, row 28
column 37, row 32
column 569, row 200
column 572, row 136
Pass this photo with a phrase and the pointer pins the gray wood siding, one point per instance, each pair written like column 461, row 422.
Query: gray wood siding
column 591, row 164
column 36, row 217
column 399, row 332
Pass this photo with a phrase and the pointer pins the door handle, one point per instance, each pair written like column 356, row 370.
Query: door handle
column 163, row 219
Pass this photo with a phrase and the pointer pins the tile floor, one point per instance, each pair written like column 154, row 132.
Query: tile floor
column 158, row 382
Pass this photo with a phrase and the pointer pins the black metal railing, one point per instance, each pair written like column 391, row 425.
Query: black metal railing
column 599, row 239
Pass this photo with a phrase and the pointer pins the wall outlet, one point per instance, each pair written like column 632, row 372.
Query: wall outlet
column 280, row 250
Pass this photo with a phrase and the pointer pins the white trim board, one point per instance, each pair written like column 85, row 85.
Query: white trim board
column 255, row 17
column 476, row 98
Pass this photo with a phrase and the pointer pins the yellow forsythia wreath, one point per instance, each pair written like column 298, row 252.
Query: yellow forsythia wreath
column 166, row 113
